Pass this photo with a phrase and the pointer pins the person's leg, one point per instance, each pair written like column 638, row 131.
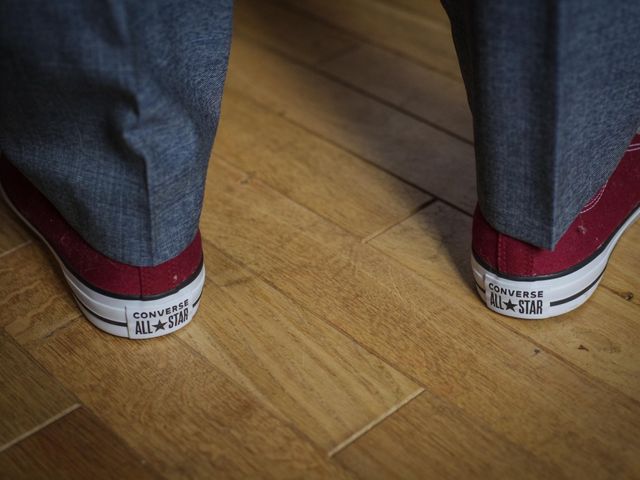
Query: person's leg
column 555, row 94
column 110, row 109
column 107, row 116
column 554, row 88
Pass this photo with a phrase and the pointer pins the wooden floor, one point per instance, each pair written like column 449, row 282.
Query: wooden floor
column 338, row 336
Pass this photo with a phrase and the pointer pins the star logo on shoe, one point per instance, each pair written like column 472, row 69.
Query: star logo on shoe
column 160, row 325
column 510, row 305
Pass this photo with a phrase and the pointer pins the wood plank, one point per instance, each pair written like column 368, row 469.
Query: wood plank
column 34, row 299
column 183, row 416
column 397, row 143
column 623, row 276
column 337, row 185
column 308, row 373
column 435, row 97
column 435, row 242
column 232, row 351
column 430, row 95
column 419, row 38
column 429, row 438
column 78, row 446
column 35, row 282
column 431, row 9
column 12, row 233
column 601, row 337
column 331, row 402
column 29, row 396
column 276, row 26
column 437, row 335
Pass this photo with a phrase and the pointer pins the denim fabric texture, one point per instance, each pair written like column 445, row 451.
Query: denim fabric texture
column 554, row 88
column 110, row 109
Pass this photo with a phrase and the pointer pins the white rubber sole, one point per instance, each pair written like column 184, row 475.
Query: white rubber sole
column 129, row 318
column 537, row 299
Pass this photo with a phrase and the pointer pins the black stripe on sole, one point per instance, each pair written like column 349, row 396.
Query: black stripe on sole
column 113, row 322
column 99, row 317
column 198, row 299
column 580, row 293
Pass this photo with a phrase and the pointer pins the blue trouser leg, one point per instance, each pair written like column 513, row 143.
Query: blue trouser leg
column 554, row 88
column 110, row 108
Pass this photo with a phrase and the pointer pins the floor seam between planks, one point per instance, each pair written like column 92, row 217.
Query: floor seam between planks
column 346, row 334
column 276, row 412
column 566, row 362
column 327, row 58
column 375, row 422
column 343, row 148
column 37, row 428
column 398, row 221
column 626, row 296
column 404, row 10
column 80, row 316
column 268, row 407
column 17, row 247
column 573, row 367
column 247, row 267
column 318, row 71
column 228, row 159
column 363, row 39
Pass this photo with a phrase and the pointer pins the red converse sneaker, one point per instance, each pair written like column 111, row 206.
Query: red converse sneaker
column 523, row 281
column 120, row 299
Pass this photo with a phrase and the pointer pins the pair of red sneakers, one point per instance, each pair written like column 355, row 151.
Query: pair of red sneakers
column 513, row 278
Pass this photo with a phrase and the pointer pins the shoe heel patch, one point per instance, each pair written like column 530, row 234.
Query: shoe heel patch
column 154, row 321
column 513, row 300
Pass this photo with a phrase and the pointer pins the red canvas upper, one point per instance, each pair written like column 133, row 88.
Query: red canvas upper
column 595, row 224
column 92, row 267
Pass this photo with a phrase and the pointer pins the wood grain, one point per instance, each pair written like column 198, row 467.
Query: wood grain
column 305, row 371
column 34, row 299
column 601, row 337
column 315, row 173
column 439, row 336
column 423, row 40
column 77, row 446
column 29, row 396
column 12, row 234
column 431, row 9
column 623, row 275
column 330, row 303
column 183, row 416
column 397, row 143
column 435, row 97
column 299, row 35
column 429, row 438
column 435, row 242
column 340, row 387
